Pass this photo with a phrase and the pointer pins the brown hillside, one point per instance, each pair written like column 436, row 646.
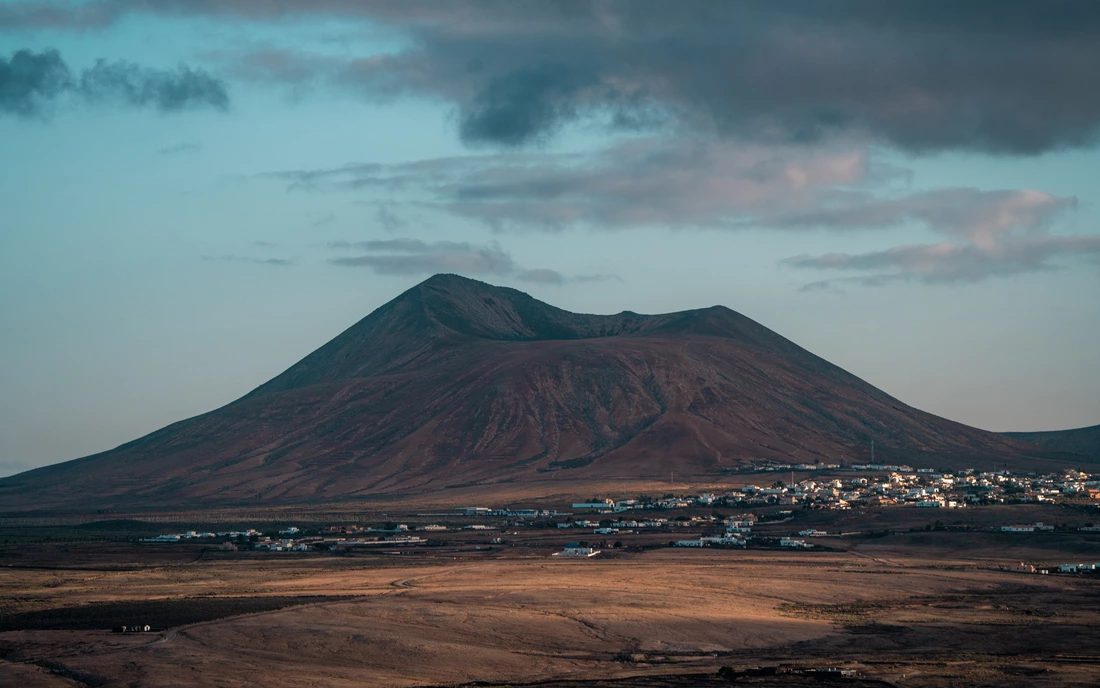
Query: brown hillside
column 456, row 382
column 1084, row 441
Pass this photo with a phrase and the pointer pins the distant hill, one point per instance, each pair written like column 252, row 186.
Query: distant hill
column 1085, row 441
column 456, row 382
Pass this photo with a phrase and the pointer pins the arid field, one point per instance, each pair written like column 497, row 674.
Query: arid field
column 930, row 610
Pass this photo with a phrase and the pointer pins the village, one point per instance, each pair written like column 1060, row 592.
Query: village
column 696, row 520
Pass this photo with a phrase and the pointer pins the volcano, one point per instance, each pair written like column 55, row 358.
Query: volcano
column 458, row 383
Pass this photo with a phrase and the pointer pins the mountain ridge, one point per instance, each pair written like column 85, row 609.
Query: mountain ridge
column 457, row 382
column 1084, row 441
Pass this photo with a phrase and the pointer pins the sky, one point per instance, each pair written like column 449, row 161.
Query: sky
column 194, row 194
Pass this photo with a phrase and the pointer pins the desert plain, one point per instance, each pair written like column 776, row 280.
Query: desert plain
column 916, row 607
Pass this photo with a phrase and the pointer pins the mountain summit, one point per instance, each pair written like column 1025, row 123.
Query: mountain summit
column 457, row 382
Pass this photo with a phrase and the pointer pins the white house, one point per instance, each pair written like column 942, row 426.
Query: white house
column 689, row 543
column 607, row 504
column 790, row 542
column 575, row 549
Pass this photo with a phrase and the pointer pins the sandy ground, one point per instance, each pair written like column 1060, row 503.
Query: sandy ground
column 452, row 620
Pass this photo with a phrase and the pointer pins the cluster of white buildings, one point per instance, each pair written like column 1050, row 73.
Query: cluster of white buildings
column 611, row 506
column 923, row 488
column 738, row 533
column 1078, row 568
column 485, row 511
column 623, row 525
column 194, row 535
column 1024, row 567
column 283, row 545
column 1033, row 528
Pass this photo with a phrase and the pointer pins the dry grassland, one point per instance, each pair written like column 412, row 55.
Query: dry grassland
column 450, row 620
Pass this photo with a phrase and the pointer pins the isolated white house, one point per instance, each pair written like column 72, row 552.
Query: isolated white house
column 574, row 549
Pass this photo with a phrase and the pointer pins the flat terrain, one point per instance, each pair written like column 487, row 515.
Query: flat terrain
column 914, row 609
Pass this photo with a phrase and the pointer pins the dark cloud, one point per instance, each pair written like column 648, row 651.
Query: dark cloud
column 166, row 90
column 525, row 104
column 1010, row 77
column 30, row 81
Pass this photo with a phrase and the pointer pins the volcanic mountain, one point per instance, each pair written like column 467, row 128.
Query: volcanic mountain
column 456, row 382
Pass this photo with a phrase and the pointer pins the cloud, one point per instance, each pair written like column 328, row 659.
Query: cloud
column 277, row 262
column 993, row 234
column 522, row 105
column 407, row 256
column 541, row 276
column 415, row 257
column 980, row 217
column 599, row 277
column 680, row 184
column 655, row 181
column 30, row 82
column 916, row 75
column 389, row 220
column 677, row 183
column 166, row 90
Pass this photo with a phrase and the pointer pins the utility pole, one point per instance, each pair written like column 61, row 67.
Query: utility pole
column 872, row 451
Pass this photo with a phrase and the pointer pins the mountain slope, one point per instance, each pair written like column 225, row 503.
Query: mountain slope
column 1084, row 441
column 457, row 382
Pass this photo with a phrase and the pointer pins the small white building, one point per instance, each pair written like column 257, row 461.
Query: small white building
column 574, row 549
column 929, row 504
column 791, row 542
column 607, row 504
column 722, row 540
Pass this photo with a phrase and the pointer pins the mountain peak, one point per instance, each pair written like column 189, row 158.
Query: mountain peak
column 436, row 317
